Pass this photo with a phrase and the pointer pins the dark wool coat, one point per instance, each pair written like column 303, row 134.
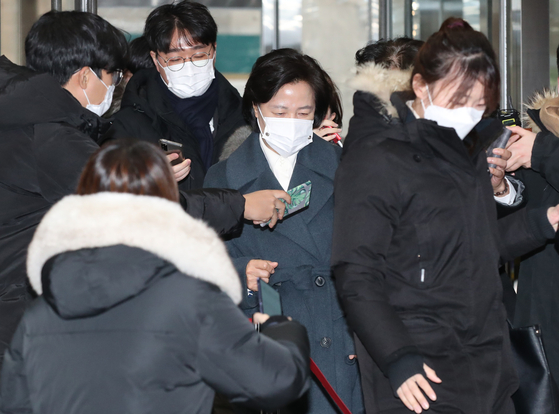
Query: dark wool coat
column 137, row 316
column 415, row 254
column 46, row 138
column 301, row 244
column 146, row 114
column 538, row 283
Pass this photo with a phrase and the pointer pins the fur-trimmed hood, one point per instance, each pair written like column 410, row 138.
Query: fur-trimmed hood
column 382, row 82
column 104, row 221
column 541, row 111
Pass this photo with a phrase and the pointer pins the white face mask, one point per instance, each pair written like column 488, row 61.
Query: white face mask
column 190, row 80
column 463, row 120
column 286, row 136
column 104, row 106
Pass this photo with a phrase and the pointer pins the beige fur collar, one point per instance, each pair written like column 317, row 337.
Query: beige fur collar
column 153, row 224
column 538, row 101
column 382, row 82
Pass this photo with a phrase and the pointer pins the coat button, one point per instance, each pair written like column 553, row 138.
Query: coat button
column 325, row 342
column 319, row 281
column 416, row 158
column 350, row 361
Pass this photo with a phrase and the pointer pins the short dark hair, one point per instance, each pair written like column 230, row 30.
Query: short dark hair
column 460, row 50
column 139, row 55
column 396, row 53
column 281, row 67
column 129, row 166
column 192, row 20
column 557, row 62
column 61, row 43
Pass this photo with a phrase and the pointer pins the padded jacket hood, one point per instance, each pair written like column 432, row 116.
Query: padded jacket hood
column 134, row 239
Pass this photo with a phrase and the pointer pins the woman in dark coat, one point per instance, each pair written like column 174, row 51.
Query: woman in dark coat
column 137, row 312
column 417, row 243
column 286, row 96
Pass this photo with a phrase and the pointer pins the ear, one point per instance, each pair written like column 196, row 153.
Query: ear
column 81, row 77
column 154, row 58
column 419, row 87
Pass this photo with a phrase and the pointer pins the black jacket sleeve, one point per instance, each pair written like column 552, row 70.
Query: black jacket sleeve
column 222, row 209
column 545, row 158
column 14, row 392
column 251, row 368
column 60, row 152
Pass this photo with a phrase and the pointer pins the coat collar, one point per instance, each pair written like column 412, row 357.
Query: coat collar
column 248, row 170
column 539, row 101
column 381, row 82
column 110, row 219
column 433, row 139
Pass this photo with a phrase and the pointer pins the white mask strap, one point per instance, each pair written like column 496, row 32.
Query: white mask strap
column 258, row 122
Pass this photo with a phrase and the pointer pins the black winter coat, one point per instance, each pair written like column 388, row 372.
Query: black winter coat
column 538, row 283
column 136, row 319
column 146, row 114
column 415, row 255
column 46, row 138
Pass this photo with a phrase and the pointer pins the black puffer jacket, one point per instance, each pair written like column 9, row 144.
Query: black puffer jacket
column 416, row 254
column 46, row 138
column 136, row 319
column 146, row 114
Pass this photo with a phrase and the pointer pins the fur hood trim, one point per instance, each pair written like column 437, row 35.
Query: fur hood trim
column 538, row 101
column 154, row 224
column 382, row 82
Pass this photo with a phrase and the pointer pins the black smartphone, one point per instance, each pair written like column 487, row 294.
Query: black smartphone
column 269, row 300
column 171, row 147
column 500, row 142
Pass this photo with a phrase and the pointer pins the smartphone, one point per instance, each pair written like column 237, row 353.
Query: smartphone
column 500, row 142
column 171, row 147
column 269, row 300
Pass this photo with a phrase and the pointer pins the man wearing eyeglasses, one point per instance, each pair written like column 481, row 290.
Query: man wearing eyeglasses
column 183, row 98
column 49, row 127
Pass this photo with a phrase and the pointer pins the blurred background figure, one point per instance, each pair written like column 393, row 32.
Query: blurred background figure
column 383, row 67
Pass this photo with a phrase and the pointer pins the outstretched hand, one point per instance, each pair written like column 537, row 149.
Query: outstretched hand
column 520, row 144
column 265, row 205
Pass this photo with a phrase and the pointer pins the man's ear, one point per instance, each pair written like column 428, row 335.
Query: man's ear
column 419, row 86
column 79, row 79
column 154, row 58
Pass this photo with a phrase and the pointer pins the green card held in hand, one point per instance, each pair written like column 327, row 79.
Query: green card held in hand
column 300, row 198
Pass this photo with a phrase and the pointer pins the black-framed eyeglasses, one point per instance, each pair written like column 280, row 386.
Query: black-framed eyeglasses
column 198, row 59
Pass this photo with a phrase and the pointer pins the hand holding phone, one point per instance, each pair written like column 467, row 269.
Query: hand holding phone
column 500, row 142
column 172, row 147
column 269, row 300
